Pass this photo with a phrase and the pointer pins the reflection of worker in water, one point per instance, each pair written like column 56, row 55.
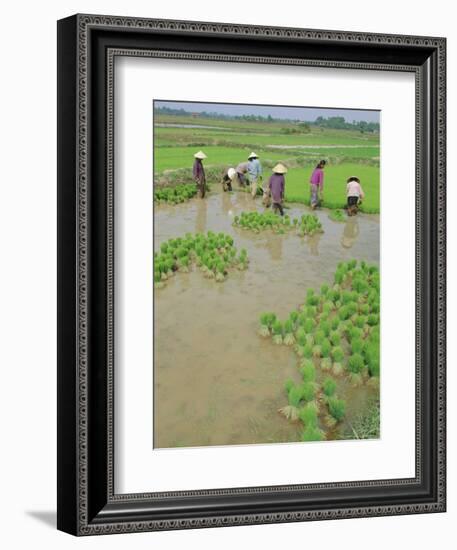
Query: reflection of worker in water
column 200, row 218
column 350, row 233
column 274, row 247
column 313, row 243
column 226, row 203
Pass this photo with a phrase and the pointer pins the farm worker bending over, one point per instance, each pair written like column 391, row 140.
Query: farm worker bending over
column 255, row 172
column 228, row 176
column 354, row 193
column 317, row 185
column 241, row 171
column 277, row 186
column 198, row 173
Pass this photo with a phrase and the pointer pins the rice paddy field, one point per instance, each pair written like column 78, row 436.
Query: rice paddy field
column 266, row 328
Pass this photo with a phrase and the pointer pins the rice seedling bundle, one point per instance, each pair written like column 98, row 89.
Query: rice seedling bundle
column 214, row 254
column 329, row 387
column 262, row 221
column 312, row 434
column 308, row 415
column 175, row 195
column 308, row 371
column 355, row 363
column 337, row 215
column 309, row 224
column 337, row 408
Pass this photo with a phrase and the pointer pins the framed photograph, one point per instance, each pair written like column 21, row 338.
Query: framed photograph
column 251, row 274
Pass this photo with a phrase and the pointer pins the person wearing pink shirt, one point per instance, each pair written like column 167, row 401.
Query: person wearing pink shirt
column 354, row 194
column 316, row 185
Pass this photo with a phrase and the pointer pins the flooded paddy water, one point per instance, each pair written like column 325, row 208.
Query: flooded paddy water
column 216, row 381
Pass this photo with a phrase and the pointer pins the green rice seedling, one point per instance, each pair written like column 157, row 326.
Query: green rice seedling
column 329, row 386
column 337, row 215
column 289, row 339
column 344, row 313
column 288, row 385
column 326, row 348
column 373, row 319
column 308, row 391
column 317, row 350
column 308, row 415
column 337, row 408
column 326, row 364
column 334, row 323
column 359, row 321
column 357, row 345
column 335, row 338
column 307, row 351
column 337, row 354
column 355, row 363
column 312, row 300
column 346, row 297
column 277, row 332
column 327, row 307
column 339, row 276
column 308, row 371
column 351, row 308
column 324, row 327
column 311, row 311
column 300, row 336
column 295, row 395
column 309, row 325
column 312, row 433
column 352, row 264
column 324, row 290
column 364, row 309
column 310, row 340
column 353, row 333
column 294, row 317
column 271, row 319
column 319, row 336
column 264, row 325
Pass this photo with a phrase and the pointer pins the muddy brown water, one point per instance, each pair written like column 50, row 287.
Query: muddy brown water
column 216, row 382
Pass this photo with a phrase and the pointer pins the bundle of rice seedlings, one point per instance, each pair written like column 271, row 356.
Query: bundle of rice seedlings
column 335, row 338
column 324, row 290
column 300, row 336
column 337, row 408
column 326, row 348
column 373, row 319
column 290, row 412
column 308, row 415
column 289, row 339
column 325, row 327
column 312, row 433
column 308, row 391
column 288, row 385
column 309, row 325
column 307, row 351
column 329, row 386
column 327, row 307
column 264, row 329
column 355, row 363
column 319, row 336
column 277, row 332
column 357, row 345
column 337, row 369
column 308, row 371
column 337, row 354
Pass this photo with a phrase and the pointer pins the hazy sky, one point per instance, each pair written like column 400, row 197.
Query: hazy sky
column 300, row 113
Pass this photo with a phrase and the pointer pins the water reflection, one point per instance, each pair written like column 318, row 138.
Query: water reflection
column 350, row 232
column 201, row 217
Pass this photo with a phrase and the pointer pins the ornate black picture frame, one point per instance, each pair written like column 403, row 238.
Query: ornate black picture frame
column 87, row 46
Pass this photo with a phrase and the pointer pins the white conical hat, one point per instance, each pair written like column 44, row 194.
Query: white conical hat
column 280, row 169
column 231, row 173
column 200, row 155
column 252, row 155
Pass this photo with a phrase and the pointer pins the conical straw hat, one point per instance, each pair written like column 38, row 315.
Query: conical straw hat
column 231, row 173
column 280, row 169
column 252, row 155
column 200, row 155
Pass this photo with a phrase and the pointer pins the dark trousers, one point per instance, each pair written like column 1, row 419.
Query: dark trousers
column 352, row 205
column 278, row 206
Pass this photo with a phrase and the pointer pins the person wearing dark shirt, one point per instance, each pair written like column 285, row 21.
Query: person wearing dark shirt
column 277, row 184
column 198, row 173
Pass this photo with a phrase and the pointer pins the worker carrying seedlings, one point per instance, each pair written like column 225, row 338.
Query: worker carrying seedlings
column 355, row 194
column 241, row 171
column 316, row 185
column 228, row 175
column 277, row 185
column 198, row 173
column 255, row 173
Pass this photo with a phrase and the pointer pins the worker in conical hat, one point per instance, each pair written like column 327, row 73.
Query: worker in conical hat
column 198, row 173
column 254, row 172
column 228, row 175
column 277, row 186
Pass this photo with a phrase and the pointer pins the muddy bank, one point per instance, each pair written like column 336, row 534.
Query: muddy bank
column 215, row 380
